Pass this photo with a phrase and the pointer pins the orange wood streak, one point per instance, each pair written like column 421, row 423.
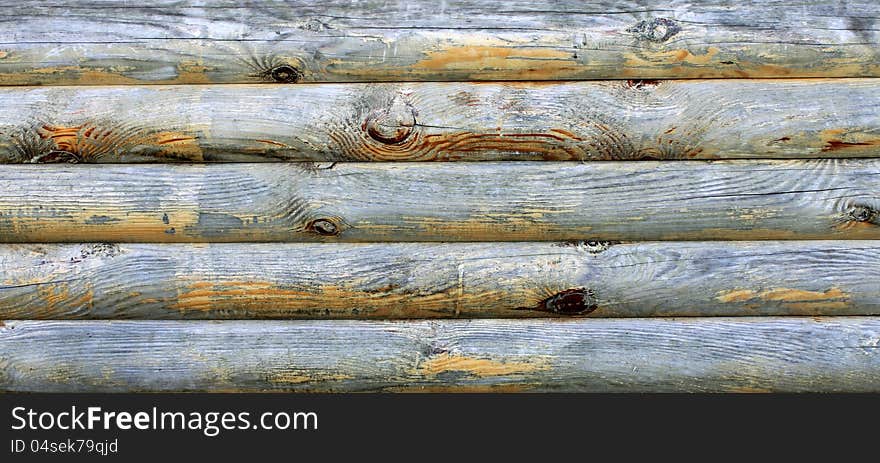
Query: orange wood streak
column 65, row 138
column 268, row 299
column 91, row 142
column 798, row 301
column 486, row 61
column 479, row 367
column 555, row 144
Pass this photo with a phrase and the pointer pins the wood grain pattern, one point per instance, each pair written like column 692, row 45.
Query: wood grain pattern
column 610, row 120
column 491, row 201
column 190, row 42
column 426, row 280
column 712, row 354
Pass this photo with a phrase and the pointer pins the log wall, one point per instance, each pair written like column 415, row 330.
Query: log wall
column 664, row 195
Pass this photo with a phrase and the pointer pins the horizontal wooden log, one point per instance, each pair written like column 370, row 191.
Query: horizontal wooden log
column 613, row 355
column 613, row 120
column 427, row 280
column 492, row 201
column 100, row 42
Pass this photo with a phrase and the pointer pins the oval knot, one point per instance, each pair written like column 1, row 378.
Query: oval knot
column 285, row 74
column 577, row 301
column 323, row 227
column 655, row 30
column 391, row 125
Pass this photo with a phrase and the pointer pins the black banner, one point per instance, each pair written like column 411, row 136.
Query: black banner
column 83, row 427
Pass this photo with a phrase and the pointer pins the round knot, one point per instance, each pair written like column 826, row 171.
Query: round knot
column 286, row 74
column 391, row 125
column 323, row 227
column 655, row 30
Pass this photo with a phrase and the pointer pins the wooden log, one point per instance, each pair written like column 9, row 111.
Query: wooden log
column 595, row 355
column 428, row 280
column 611, row 120
column 187, row 42
column 525, row 201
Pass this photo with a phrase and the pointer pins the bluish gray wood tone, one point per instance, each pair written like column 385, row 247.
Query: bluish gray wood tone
column 426, row 280
column 193, row 42
column 611, row 120
column 633, row 355
column 525, row 201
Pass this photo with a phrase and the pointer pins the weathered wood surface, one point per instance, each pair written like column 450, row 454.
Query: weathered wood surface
column 703, row 354
column 427, row 280
column 99, row 42
column 491, row 201
column 634, row 119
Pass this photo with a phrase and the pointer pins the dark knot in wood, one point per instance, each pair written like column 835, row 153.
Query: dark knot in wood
column 591, row 246
column 595, row 247
column 323, row 227
column 315, row 25
column 285, row 74
column 863, row 214
column 392, row 125
column 642, row 83
column 655, row 30
column 577, row 301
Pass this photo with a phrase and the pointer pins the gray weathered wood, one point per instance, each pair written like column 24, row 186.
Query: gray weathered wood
column 443, row 121
column 697, row 354
column 426, row 280
column 491, row 201
column 99, row 42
